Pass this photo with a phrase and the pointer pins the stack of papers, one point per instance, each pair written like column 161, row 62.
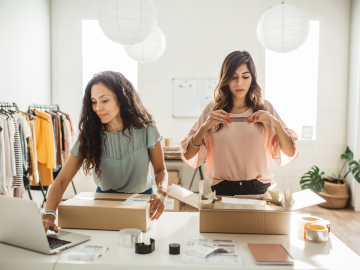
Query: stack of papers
column 209, row 251
column 87, row 253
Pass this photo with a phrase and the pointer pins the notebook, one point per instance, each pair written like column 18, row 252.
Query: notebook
column 270, row 254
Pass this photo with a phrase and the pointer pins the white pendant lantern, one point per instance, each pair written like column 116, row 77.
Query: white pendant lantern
column 127, row 22
column 150, row 50
column 283, row 28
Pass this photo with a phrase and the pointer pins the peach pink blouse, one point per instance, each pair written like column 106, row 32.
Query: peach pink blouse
column 239, row 151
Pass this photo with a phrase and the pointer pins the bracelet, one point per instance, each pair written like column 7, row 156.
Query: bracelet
column 163, row 190
column 49, row 212
column 192, row 143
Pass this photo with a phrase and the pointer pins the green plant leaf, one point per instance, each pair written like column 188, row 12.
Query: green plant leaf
column 313, row 180
column 348, row 155
column 355, row 169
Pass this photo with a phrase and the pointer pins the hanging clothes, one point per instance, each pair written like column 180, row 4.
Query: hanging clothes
column 8, row 155
column 45, row 148
column 3, row 189
column 34, row 177
column 32, row 157
column 18, row 178
column 67, row 137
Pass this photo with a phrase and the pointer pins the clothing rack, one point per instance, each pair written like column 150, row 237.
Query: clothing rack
column 7, row 105
column 14, row 106
column 51, row 107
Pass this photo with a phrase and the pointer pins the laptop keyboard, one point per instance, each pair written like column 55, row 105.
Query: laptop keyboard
column 56, row 243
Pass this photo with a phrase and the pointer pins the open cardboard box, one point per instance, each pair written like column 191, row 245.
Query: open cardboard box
column 104, row 211
column 218, row 217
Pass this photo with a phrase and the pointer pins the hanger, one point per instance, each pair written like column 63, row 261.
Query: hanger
column 35, row 114
column 30, row 115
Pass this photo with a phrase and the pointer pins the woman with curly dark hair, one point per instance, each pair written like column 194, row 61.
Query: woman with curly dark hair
column 238, row 154
column 118, row 138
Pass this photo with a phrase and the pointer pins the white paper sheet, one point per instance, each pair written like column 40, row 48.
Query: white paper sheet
column 169, row 204
column 243, row 201
column 93, row 249
column 83, row 257
column 137, row 200
column 209, row 251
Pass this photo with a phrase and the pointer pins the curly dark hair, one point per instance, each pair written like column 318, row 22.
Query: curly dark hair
column 132, row 112
column 222, row 95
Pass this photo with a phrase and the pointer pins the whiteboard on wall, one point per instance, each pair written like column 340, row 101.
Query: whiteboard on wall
column 190, row 96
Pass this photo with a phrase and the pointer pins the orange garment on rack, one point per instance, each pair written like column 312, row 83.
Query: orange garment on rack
column 59, row 156
column 45, row 148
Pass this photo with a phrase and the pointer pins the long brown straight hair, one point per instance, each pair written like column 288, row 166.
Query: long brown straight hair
column 222, row 94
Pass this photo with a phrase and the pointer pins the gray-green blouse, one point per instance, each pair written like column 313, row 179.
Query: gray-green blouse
column 125, row 162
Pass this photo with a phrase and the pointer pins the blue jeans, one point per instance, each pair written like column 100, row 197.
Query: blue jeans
column 98, row 190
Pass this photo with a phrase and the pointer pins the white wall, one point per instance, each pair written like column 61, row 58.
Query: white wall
column 199, row 34
column 353, row 132
column 25, row 59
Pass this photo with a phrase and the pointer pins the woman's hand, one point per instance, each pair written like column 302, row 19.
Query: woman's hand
column 157, row 201
column 216, row 117
column 264, row 117
column 49, row 223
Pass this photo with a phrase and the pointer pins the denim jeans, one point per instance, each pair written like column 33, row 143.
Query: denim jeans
column 98, row 190
column 248, row 187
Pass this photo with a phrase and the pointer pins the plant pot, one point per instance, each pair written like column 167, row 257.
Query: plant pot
column 336, row 195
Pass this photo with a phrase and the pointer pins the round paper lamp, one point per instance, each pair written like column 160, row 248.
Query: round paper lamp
column 283, row 28
column 127, row 21
column 150, row 49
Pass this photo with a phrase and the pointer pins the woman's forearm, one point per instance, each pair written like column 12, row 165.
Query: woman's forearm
column 161, row 179
column 55, row 196
column 197, row 140
column 61, row 182
column 286, row 144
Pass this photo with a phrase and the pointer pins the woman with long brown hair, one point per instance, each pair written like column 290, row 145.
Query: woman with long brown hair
column 118, row 138
column 238, row 154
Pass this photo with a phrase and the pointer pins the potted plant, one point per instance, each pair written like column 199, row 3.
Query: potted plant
column 334, row 189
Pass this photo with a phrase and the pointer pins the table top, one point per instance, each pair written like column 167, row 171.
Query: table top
column 174, row 227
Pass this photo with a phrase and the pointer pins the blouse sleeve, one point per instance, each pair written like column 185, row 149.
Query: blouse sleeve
column 153, row 136
column 201, row 155
column 75, row 149
column 280, row 158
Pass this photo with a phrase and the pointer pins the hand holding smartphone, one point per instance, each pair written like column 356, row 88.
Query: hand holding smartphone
column 240, row 119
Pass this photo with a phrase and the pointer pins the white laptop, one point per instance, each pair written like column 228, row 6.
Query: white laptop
column 21, row 226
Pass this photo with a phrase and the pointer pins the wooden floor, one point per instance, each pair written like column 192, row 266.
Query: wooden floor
column 345, row 223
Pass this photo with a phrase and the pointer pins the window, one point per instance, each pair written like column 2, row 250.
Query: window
column 291, row 81
column 101, row 54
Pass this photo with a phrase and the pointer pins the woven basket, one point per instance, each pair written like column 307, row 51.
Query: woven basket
column 336, row 195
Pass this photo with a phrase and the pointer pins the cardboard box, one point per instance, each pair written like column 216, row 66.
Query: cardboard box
column 243, row 218
column 173, row 174
column 173, row 180
column 104, row 211
column 172, row 204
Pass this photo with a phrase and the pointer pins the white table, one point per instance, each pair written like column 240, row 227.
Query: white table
column 173, row 228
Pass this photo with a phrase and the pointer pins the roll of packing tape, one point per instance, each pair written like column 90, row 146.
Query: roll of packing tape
column 302, row 221
column 317, row 233
column 129, row 237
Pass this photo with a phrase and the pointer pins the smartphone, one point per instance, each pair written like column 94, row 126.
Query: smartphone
column 240, row 119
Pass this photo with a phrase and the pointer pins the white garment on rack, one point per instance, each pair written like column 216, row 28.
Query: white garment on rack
column 36, row 172
column 18, row 178
column 26, row 128
column 11, row 133
column 3, row 189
